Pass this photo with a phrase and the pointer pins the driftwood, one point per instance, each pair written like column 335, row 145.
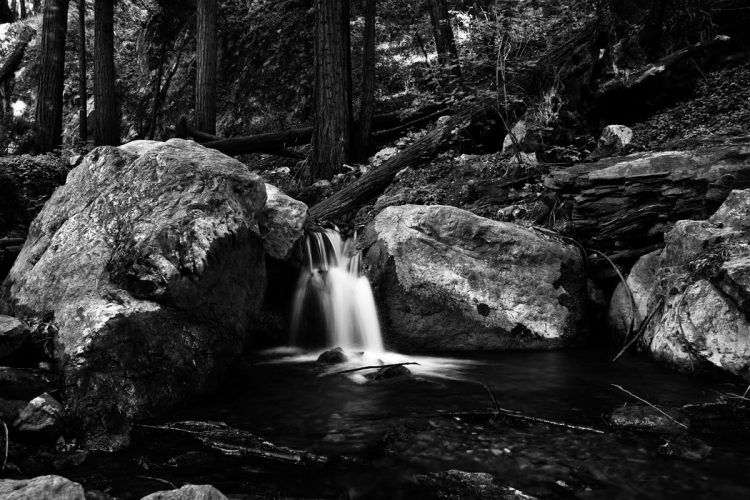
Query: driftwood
column 385, row 126
column 630, row 202
column 445, row 135
column 372, row 367
column 236, row 442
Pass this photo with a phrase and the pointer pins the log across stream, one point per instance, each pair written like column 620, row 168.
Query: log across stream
column 394, row 438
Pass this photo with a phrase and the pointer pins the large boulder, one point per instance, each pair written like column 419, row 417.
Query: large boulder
column 41, row 488
column 150, row 262
column 704, row 284
column 446, row 279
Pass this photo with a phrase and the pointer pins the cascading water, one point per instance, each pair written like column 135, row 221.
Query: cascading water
column 333, row 286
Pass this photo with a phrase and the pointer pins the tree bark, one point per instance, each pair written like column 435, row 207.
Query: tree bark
column 23, row 9
column 82, row 92
column 6, row 15
column 367, row 99
column 107, row 123
column 205, row 85
column 49, row 105
column 333, row 105
column 445, row 43
column 445, row 135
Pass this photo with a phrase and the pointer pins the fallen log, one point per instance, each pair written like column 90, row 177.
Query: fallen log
column 11, row 63
column 445, row 135
column 630, row 202
column 273, row 142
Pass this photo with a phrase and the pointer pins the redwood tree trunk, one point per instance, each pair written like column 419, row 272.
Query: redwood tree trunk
column 49, row 104
column 205, row 85
column 333, row 105
column 367, row 100
column 82, row 92
column 23, row 9
column 445, row 43
column 5, row 14
column 107, row 123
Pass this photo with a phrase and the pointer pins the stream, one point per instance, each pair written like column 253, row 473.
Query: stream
column 392, row 432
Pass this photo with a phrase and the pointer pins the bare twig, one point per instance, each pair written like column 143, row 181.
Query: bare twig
column 492, row 396
column 670, row 417
column 520, row 416
column 151, row 478
column 641, row 329
column 372, row 367
column 633, row 306
column 7, row 439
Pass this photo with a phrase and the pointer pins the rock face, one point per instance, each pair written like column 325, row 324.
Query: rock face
column 41, row 488
column 704, row 280
column 446, row 279
column 641, row 282
column 282, row 222
column 150, row 263
column 631, row 201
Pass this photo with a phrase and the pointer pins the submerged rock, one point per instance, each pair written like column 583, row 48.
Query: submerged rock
column 13, row 335
column 459, row 485
column 150, row 262
column 446, row 279
column 42, row 417
column 646, row 418
column 188, row 492
column 41, row 488
column 389, row 372
column 333, row 356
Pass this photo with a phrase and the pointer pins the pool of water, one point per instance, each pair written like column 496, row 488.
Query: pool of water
column 398, row 429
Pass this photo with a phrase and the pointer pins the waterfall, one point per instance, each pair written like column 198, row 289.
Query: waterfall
column 332, row 290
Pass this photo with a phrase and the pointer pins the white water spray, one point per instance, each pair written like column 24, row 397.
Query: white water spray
column 333, row 285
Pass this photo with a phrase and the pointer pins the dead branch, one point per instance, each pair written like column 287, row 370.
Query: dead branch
column 371, row 367
column 670, row 417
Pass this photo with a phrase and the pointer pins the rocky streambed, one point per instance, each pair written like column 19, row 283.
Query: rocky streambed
column 148, row 273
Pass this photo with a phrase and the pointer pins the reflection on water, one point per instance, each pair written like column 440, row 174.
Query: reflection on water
column 400, row 428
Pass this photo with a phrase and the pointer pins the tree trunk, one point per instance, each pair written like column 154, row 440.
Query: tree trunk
column 333, row 104
column 82, row 92
column 445, row 43
column 367, row 99
column 23, row 9
column 107, row 123
column 49, row 105
column 652, row 30
column 205, row 85
column 14, row 9
column 6, row 15
column 37, row 6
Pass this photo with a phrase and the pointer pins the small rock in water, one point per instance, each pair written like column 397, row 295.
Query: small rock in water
column 333, row 356
column 646, row 418
column 188, row 492
column 41, row 417
column 389, row 372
